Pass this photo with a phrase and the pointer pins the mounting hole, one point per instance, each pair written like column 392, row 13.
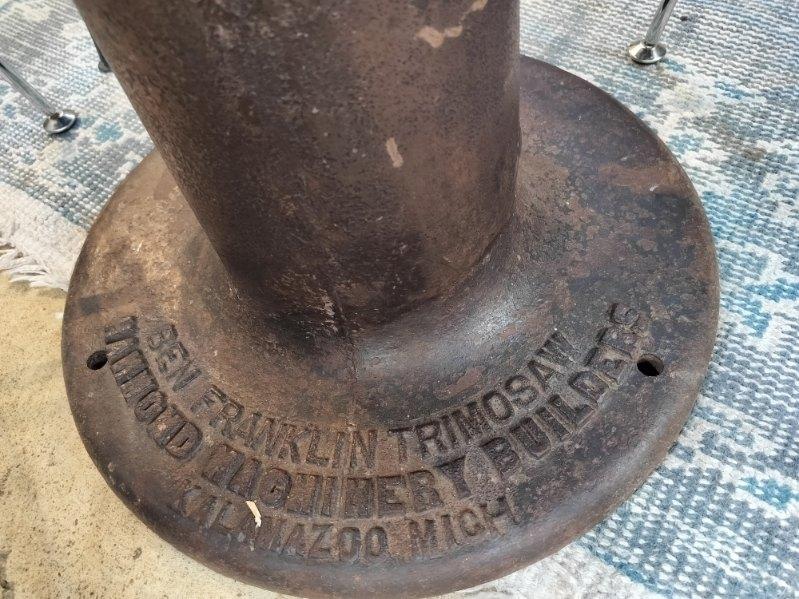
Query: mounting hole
column 650, row 365
column 97, row 360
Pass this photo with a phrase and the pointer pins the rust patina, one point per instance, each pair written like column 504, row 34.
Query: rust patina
column 391, row 311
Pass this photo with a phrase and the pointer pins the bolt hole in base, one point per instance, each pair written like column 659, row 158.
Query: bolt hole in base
column 97, row 360
column 650, row 365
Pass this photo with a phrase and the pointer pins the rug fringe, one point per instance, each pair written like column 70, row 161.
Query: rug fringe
column 23, row 267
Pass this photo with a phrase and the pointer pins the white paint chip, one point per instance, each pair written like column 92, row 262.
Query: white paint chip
column 394, row 153
column 255, row 513
column 431, row 35
column 436, row 38
column 453, row 31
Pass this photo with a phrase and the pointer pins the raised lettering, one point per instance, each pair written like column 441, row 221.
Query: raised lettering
column 502, row 455
column 497, row 406
column 608, row 362
column 422, row 537
column 149, row 407
column 469, row 523
column 348, row 544
column 244, row 480
column 429, row 434
column 589, row 385
column 624, row 315
column 127, row 328
column 402, row 446
column 574, row 416
column 556, row 350
column 376, row 542
column 521, row 391
column 320, row 547
column 454, row 471
column 311, row 456
column 424, row 494
column 274, row 488
column 164, row 334
column 359, row 497
column 388, row 502
column 472, row 422
column 367, row 449
column 138, row 387
column 185, row 441
column 530, row 436
column 295, row 542
column 128, row 367
column 166, row 425
column 621, row 340
column 222, row 464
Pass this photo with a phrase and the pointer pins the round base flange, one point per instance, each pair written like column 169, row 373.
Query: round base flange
column 463, row 440
column 644, row 53
column 60, row 121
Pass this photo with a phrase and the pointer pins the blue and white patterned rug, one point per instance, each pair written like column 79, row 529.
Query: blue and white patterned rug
column 721, row 516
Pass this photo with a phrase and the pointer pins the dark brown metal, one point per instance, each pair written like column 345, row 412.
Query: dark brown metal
column 393, row 371
column 347, row 160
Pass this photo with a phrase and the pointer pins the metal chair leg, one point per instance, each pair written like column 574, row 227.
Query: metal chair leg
column 102, row 63
column 57, row 121
column 649, row 50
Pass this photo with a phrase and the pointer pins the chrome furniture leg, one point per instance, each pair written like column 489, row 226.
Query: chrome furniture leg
column 57, row 121
column 649, row 50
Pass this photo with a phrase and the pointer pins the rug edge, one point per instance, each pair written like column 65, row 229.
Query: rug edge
column 24, row 222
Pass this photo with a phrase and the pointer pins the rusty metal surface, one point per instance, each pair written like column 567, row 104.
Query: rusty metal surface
column 451, row 445
column 358, row 126
column 412, row 313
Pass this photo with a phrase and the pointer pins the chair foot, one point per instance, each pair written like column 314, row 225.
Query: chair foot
column 649, row 50
column 57, row 121
column 644, row 53
column 102, row 63
column 60, row 121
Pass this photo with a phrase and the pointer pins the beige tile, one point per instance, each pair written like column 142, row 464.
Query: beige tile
column 63, row 533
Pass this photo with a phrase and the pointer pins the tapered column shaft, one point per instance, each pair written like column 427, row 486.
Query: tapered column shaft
column 348, row 159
